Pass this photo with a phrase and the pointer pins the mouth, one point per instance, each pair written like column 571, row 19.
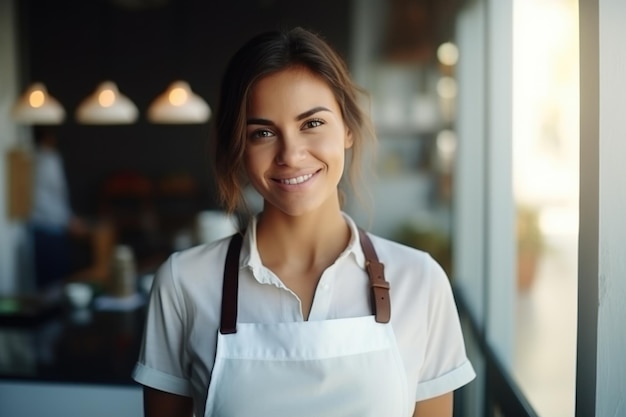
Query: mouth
column 295, row 180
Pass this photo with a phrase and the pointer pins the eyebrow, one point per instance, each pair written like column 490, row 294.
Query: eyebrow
column 304, row 115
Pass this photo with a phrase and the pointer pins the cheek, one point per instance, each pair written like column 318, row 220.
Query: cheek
column 254, row 165
column 248, row 165
column 333, row 150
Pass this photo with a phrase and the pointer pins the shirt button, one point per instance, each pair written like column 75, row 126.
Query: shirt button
column 325, row 287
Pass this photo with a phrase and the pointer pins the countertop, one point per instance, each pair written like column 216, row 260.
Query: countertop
column 90, row 345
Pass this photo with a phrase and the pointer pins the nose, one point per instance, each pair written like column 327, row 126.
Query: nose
column 291, row 151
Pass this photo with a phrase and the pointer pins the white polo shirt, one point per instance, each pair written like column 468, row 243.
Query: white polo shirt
column 183, row 318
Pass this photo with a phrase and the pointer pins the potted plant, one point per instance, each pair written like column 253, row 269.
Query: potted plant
column 530, row 245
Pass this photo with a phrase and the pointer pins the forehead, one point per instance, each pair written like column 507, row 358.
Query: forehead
column 293, row 89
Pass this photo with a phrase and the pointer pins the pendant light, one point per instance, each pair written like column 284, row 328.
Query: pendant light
column 36, row 106
column 178, row 104
column 107, row 106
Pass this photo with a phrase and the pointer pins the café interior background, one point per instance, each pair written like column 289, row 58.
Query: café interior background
column 143, row 46
column 154, row 180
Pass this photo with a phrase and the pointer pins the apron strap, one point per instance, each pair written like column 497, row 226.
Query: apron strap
column 381, row 302
column 230, row 286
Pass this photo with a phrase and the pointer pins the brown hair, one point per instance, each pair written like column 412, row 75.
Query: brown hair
column 263, row 55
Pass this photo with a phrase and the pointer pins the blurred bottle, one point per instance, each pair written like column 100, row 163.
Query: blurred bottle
column 124, row 272
column 213, row 225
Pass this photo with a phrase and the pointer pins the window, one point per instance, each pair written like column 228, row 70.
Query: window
column 545, row 186
column 516, row 189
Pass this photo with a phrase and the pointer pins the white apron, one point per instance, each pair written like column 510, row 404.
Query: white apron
column 331, row 368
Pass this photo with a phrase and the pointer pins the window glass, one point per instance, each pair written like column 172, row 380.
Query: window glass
column 545, row 181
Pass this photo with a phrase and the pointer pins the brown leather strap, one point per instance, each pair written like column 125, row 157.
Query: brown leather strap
column 230, row 287
column 381, row 302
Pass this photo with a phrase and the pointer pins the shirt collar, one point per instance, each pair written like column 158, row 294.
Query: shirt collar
column 354, row 246
column 251, row 258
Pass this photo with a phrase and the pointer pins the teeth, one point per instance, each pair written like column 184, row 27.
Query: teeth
column 296, row 180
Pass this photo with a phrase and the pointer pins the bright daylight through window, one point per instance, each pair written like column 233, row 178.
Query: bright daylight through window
column 545, row 179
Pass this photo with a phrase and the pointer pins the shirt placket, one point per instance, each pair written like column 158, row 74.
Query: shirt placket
column 323, row 295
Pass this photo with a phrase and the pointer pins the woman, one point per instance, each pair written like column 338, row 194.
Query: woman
column 303, row 333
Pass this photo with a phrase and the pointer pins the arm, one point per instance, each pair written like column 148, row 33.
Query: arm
column 435, row 407
column 163, row 355
column 163, row 404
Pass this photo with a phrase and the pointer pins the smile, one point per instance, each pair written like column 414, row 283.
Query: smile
column 296, row 180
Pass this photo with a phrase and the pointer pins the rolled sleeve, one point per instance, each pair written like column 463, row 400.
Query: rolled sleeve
column 446, row 366
column 445, row 383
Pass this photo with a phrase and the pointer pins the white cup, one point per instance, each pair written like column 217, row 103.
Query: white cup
column 79, row 294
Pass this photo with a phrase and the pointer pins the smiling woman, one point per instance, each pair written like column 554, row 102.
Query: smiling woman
column 295, row 152
column 321, row 62
column 281, row 314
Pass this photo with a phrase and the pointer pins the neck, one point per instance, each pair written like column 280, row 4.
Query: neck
column 311, row 240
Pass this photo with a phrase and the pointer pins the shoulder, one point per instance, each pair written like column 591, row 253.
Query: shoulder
column 410, row 269
column 46, row 160
column 200, row 259
column 188, row 285
column 48, row 156
column 195, row 270
column 398, row 254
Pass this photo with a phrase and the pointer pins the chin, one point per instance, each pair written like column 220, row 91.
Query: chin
column 294, row 212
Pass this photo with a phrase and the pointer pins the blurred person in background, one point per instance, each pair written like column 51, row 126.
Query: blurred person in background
column 52, row 220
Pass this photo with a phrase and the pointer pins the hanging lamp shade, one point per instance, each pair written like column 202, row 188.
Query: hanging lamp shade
column 107, row 106
column 179, row 105
column 36, row 106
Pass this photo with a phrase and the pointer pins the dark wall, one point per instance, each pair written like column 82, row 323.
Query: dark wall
column 72, row 45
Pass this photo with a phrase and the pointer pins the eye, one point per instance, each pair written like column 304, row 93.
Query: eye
column 260, row 134
column 310, row 124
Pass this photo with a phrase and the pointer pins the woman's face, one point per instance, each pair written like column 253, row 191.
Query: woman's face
column 296, row 141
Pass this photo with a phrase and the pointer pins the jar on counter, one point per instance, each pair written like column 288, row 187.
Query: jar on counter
column 213, row 225
column 124, row 272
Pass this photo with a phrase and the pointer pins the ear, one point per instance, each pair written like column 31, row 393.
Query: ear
column 349, row 140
